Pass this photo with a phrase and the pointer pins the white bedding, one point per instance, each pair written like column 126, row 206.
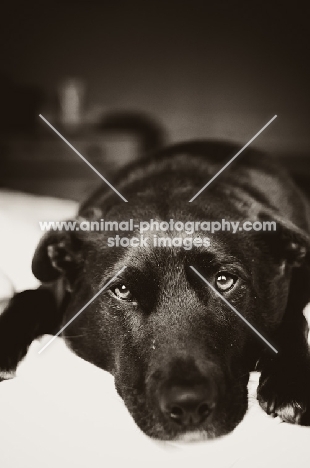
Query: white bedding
column 61, row 411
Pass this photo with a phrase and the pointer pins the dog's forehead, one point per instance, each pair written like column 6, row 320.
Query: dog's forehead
column 219, row 247
column 163, row 258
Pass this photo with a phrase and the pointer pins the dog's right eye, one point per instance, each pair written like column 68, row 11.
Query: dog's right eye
column 122, row 292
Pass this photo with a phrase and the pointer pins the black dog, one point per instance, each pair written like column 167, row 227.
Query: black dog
column 180, row 356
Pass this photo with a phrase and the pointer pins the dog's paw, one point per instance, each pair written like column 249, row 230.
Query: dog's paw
column 7, row 364
column 286, row 396
column 7, row 375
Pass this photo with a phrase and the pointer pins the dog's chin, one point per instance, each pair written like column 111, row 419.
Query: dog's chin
column 159, row 432
column 156, row 429
column 194, row 436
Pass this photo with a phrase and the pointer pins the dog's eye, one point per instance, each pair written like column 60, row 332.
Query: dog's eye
column 225, row 281
column 122, row 292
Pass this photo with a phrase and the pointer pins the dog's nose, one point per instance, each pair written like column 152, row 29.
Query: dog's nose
column 187, row 405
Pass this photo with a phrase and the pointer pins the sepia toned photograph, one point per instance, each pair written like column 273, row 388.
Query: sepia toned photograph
column 154, row 234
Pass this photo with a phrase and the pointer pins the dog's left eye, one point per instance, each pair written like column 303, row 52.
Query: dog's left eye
column 122, row 292
column 225, row 281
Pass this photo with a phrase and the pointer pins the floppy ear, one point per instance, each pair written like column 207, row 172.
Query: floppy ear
column 58, row 254
column 289, row 241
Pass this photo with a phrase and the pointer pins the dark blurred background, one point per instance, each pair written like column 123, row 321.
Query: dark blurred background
column 201, row 69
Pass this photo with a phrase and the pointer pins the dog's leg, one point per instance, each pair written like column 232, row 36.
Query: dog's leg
column 284, row 387
column 28, row 315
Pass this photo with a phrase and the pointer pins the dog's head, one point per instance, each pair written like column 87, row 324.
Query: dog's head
column 179, row 354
